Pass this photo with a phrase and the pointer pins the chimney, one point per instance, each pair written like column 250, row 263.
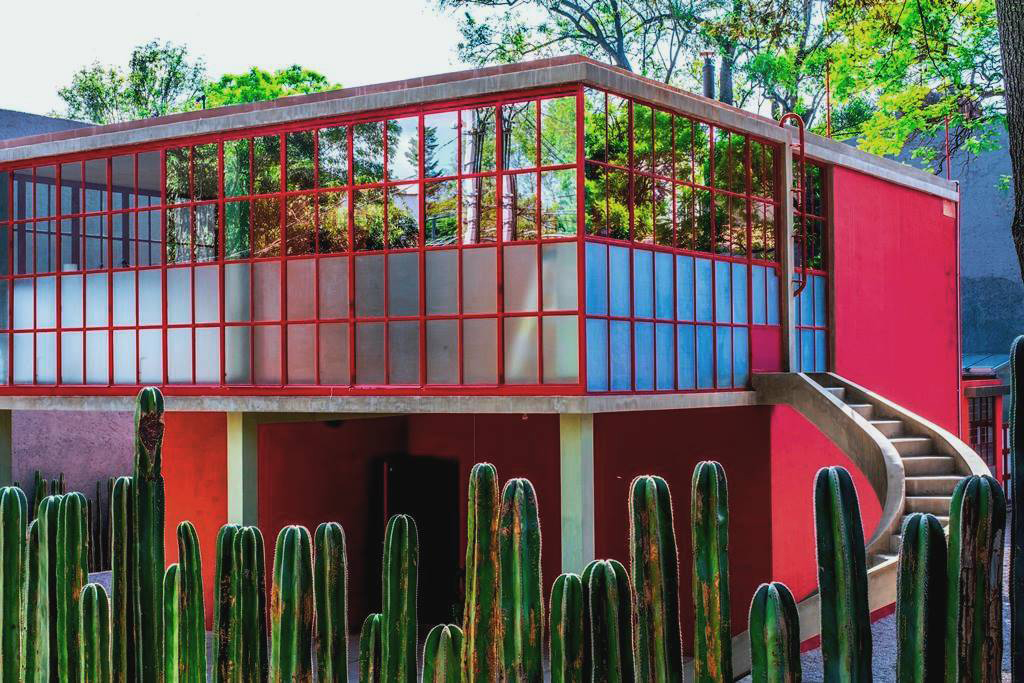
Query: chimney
column 709, row 74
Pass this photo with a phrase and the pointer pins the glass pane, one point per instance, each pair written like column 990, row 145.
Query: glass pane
column 558, row 203
column 643, row 283
column 643, row 209
column 150, row 297
column 301, row 288
column 334, row 353
column 595, row 196
column 521, row 350
column 46, row 358
column 643, row 137
column 561, row 349
column 236, row 168
column 237, row 354
column 266, row 297
column 179, row 235
column 519, row 126
column 368, row 230
column 266, row 164
column 266, row 228
column 45, row 191
column 370, row 349
column 597, row 354
column 236, row 292
column 300, row 226
column 205, row 234
column 479, row 280
column 46, row 302
column 479, row 351
column 96, row 300
column 662, row 160
column 684, row 149
column 520, row 270
column 177, row 170
column 403, row 284
column 204, row 172
column 95, row 245
column 440, row 144
column 301, row 353
column 620, row 356
column 24, row 350
column 558, row 131
column 151, row 358
column 368, row 153
column 179, row 296
column 300, row 160
column 71, row 352
column 594, row 133
column 124, row 298
column 207, row 340
column 333, row 284
column 618, row 204
column 442, row 213
column 404, row 149
column 124, row 357
column 663, row 213
column 236, row 229
column 71, row 306
column 442, row 282
column 479, row 210
column 478, row 140
column 369, row 286
column 267, row 346
column 403, row 216
column 597, row 278
column 404, row 352
column 122, row 181
column 442, row 352
column 333, row 233
column 520, row 207
column 70, row 191
column 333, row 151
column 179, row 356
column 150, row 249
column 558, row 262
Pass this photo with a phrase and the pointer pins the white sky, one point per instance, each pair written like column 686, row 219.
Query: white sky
column 352, row 42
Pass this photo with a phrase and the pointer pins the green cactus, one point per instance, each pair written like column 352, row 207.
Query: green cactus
column 399, row 616
column 611, row 632
column 370, row 650
column 13, row 525
column 291, row 607
column 774, row 635
column 330, row 593
column 72, row 575
column 225, row 596
column 191, row 608
column 94, row 625
column 249, row 634
column 34, row 655
column 974, row 619
column 48, row 518
column 709, row 519
column 1016, row 588
column 842, row 577
column 921, row 600
column 122, row 580
column 522, row 600
column 654, row 564
column 148, row 521
column 171, row 592
column 442, row 655
column 567, row 630
column 482, row 651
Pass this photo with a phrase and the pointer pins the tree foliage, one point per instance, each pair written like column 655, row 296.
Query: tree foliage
column 257, row 84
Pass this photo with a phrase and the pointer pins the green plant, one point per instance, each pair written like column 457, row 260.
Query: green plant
column 921, row 600
column 369, row 650
column 974, row 641
column 842, row 577
column 13, row 525
column 35, row 643
column 72, row 574
column 330, row 594
column 191, row 610
column 567, row 630
column 482, row 614
column 122, row 579
column 610, row 625
column 442, row 655
column 250, row 608
column 172, row 623
column 225, row 597
column 94, row 624
column 291, row 607
column 774, row 635
column 1016, row 588
column 48, row 649
column 709, row 519
column 522, row 601
column 399, row 617
column 654, row 564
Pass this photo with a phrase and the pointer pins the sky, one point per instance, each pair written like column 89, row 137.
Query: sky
column 352, row 42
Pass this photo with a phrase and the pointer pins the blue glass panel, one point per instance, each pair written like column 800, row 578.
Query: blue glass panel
column 644, row 346
column 703, row 290
column 772, row 296
column 618, row 264
column 819, row 300
column 685, row 356
column 684, row 287
column 757, row 294
column 597, row 355
column 740, row 357
column 739, row 293
column 723, row 292
column 597, row 278
column 643, row 283
column 723, row 355
column 705, row 357
column 620, row 356
column 805, row 315
column 820, row 364
column 664, row 345
column 663, row 285
column 806, row 350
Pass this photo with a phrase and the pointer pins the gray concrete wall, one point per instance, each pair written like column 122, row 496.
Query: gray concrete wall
column 17, row 124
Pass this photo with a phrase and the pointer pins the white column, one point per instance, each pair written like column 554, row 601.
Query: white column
column 787, row 305
column 576, row 446
column 6, row 451
column 243, row 469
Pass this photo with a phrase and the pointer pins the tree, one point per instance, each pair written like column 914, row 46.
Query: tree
column 1011, row 29
column 256, row 85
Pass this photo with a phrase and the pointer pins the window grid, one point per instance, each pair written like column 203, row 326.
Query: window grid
column 809, row 209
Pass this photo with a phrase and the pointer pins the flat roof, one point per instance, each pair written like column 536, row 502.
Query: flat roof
column 541, row 73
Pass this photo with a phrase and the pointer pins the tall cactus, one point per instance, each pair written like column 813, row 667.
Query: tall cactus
column 482, row 651
column 1017, row 511
column 654, row 564
column 225, row 596
column 399, row 616
column 330, row 593
column 171, row 593
column 921, row 601
column 250, row 607
column 611, row 623
column 842, row 577
column 72, row 574
column 370, row 650
column 522, row 601
column 567, row 630
column 442, row 655
column 35, row 645
column 13, row 525
column 191, row 610
column 148, row 521
column 48, row 519
column 94, row 624
column 974, row 619
column 122, row 579
column 709, row 518
column 774, row 635
column 291, row 607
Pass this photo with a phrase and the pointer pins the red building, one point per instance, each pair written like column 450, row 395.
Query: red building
column 570, row 271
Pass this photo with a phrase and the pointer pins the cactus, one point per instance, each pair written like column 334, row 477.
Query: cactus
column 567, row 630
column 842, row 577
column 522, row 601
column 171, row 593
column 72, row 574
column 35, row 645
column 122, row 580
column 442, row 655
column 48, row 517
column 330, row 593
column 369, row 650
column 13, row 525
column 654, row 564
column 921, row 600
column 974, row 620
column 225, row 597
column 191, row 610
column 774, row 635
column 148, row 523
column 291, row 607
column 398, row 616
column 250, row 607
column 611, row 631
column 94, row 625
column 482, row 651
column 709, row 519
column 1017, row 511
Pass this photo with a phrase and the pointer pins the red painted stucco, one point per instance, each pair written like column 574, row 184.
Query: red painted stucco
column 896, row 304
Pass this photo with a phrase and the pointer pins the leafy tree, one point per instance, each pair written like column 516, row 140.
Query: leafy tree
column 257, row 84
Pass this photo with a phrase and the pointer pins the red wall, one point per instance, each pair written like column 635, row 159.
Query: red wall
column 895, row 284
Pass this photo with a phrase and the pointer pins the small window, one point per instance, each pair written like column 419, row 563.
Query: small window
column 300, row 160
column 333, row 153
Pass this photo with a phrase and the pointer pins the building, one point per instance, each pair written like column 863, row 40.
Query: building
column 570, row 271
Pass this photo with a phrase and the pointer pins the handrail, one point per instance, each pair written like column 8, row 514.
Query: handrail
column 800, row 188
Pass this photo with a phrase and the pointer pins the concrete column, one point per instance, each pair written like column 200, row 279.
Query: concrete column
column 243, row 464
column 787, row 305
column 6, row 451
column 576, row 446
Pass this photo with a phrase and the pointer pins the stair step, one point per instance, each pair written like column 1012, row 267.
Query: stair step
column 925, row 465
column 937, row 505
column 912, row 445
column 838, row 392
column 889, row 428
column 932, row 485
column 865, row 409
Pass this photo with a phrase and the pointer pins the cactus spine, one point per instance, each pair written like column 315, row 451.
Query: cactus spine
column 482, row 650
column 72, row 573
column 974, row 641
column 921, row 600
column 122, row 580
column 148, row 520
column 191, row 610
column 774, row 635
column 330, row 592
column 34, row 657
column 709, row 518
column 225, row 596
column 13, row 525
column 369, row 650
column 94, row 623
column 842, row 577
column 611, row 622
column 291, row 607
column 399, row 617
column 522, row 601
column 171, row 623
column 654, row 564
column 1017, row 511
column 48, row 520
column 442, row 655
column 567, row 630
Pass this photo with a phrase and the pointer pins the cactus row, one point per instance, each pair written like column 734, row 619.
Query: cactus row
column 522, row 601
column 567, row 630
column 191, row 610
column 13, row 528
column 774, row 629
column 482, row 649
column 291, row 607
column 370, row 650
column 611, row 632
column 442, row 655
column 330, row 593
column 122, row 578
column 921, row 600
column 709, row 518
column 171, row 594
column 399, row 616
column 94, row 625
column 240, row 607
column 72, row 575
column 148, row 533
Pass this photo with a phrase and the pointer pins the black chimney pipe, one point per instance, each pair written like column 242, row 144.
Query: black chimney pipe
column 709, row 74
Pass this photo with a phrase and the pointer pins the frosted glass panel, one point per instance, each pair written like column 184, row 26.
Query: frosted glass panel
column 124, row 300
column 207, row 355
column 266, row 291
column 618, row 281
column 723, row 350
column 370, row 351
column 24, row 348
column 479, row 280
column 151, row 364
column 723, row 292
column 24, row 301
column 819, row 300
column 772, row 289
column 179, row 356
column 664, row 353
column 207, row 295
column 46, row 357
column 301, row 289
column 520, row 267
column 124, row 357
column 267, row 357
column 739, row 293
column 403, row 284
column 643, row 284
column 334, row 353
column 442, row 352
column 663, row 285
column 740, row 357
column 597, row 280
column 150, row 298
column 236, row 289
column 559, row 272
column 703, row 285
column 95, row 300
column 333, row 288
column 370, row 285
column 643, row 345
column 71, row 351
column 301, row 353
column 820, row 355
column 620, row 356
column 807, row 350
column 442, row 282
column 686, row 358
column 71, row 301
column 684, row 287
column 46, row 302
column 480, row 351
column 757, row 295
column 597, row 354
column 561, row 349
column 97, row 359
column 179, row 297
column 521, row 350
column 404, row 352
column 5, row 340
column 705, row 357
column 237, row 352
